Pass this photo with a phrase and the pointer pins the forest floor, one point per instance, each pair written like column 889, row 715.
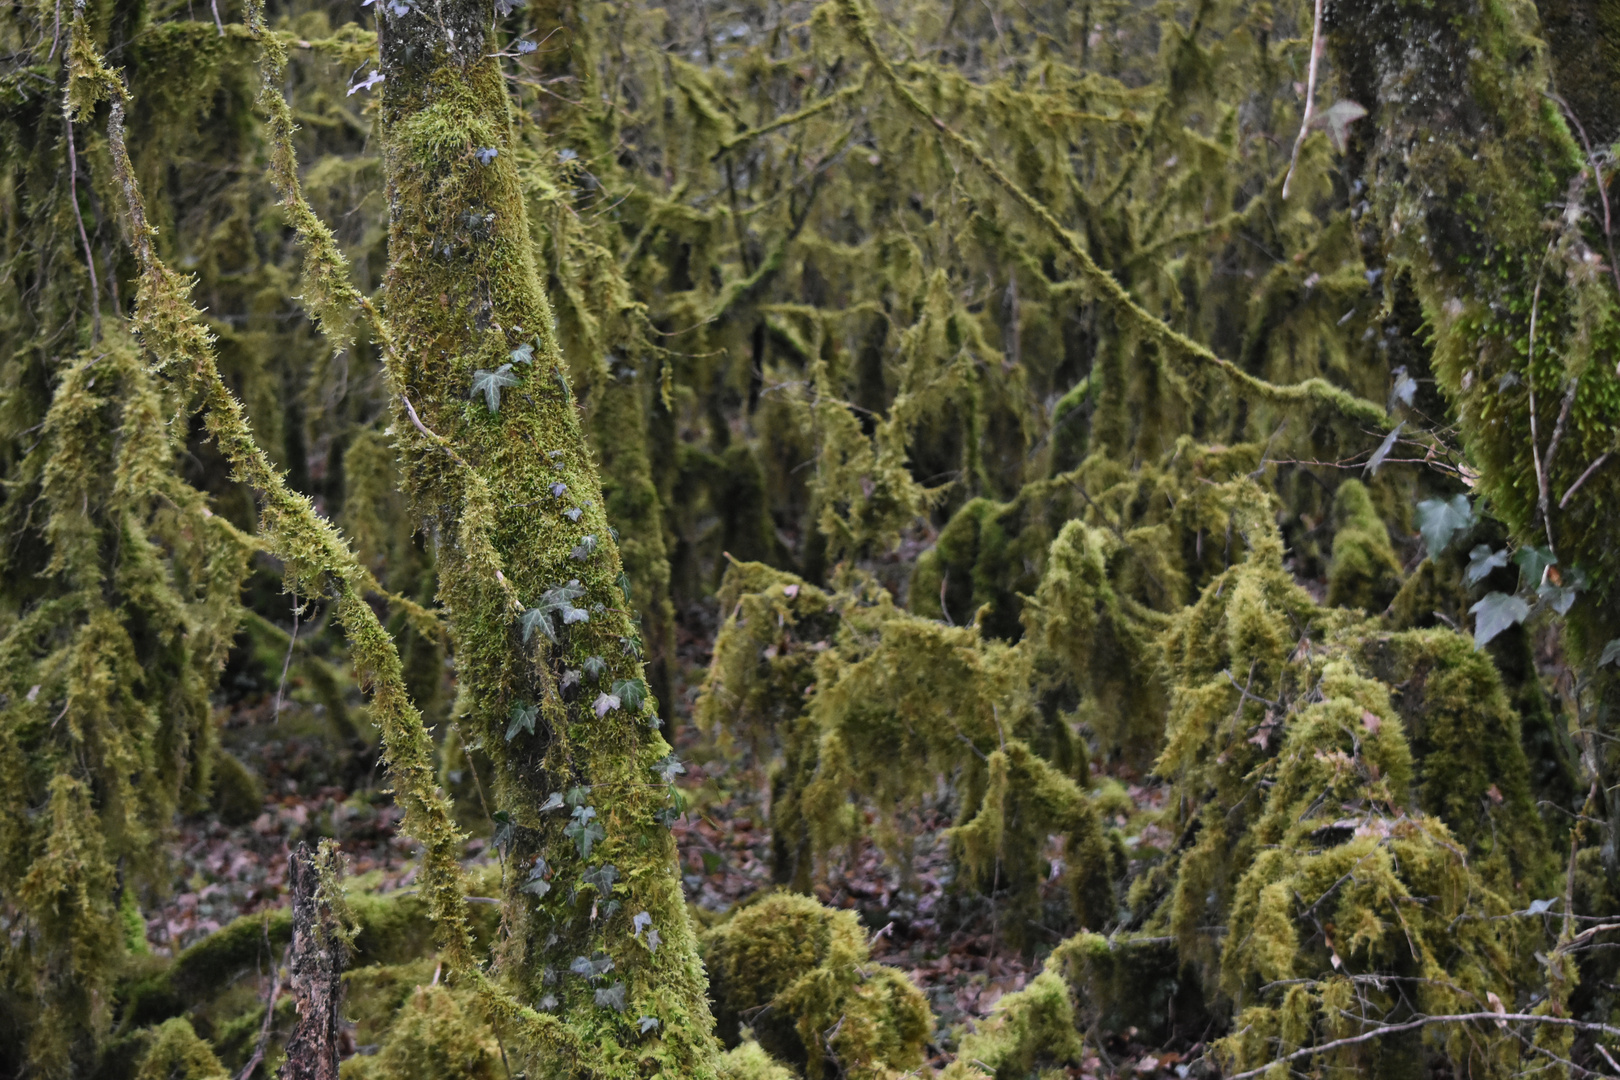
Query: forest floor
column 955, row 950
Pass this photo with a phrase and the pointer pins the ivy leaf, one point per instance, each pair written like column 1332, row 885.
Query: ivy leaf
column 1377, row 459
column 605, row 703
column 631, row 692
column 669, row 767
column 611, row 998
column 578, row 794
column 1558, row 597
column 594, row 666
column 554, row 801
column 490, row 384
column 1481, row 561
column 537, row 883
column 623, row 582
column 1440, row 520
column 1404, row 390
column 504, row 830
column 547, row 1003
column 1611, row 653
column 592, row 967
column 653, row 940
column 1533, row 562
column 570, row 679
column 1494, row 614
column 556, row 600
column 523, row 717
column 584, row 831
column 647, row 1023
column 602, row 878
column 1336, row 120
column 538, row 619
column 486, row 154
column 559, row 489
column 583, row 549
column 639, row 922
column 573, row 513
column 523, row 354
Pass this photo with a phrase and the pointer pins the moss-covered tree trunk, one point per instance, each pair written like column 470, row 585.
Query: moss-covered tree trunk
column 547, row 653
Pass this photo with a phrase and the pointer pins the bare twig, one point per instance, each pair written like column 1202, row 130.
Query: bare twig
column 286, row 663
column 1424, row 1021
column 1310, row 98
column 269, row 1011
column 1530, row 382
column 1590, row 469
column 84, row 237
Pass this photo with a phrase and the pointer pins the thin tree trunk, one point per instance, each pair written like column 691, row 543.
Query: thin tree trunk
column 547, row 653
column 319, row 952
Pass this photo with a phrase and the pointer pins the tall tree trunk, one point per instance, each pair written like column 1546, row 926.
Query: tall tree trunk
column 548, row 655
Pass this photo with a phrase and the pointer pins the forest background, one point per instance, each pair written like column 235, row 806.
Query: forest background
column 862, row 539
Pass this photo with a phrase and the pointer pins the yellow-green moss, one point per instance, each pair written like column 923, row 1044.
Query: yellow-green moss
column 799, row 975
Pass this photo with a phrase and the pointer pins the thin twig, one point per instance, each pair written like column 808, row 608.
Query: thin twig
column 1590, row 469
column 1310, row 98
column 286, row 663
column 1424, row 1021
column 89, row 258
column 1530, row 382
column 217, row 21
column 269, row 1015
column 1597, row 172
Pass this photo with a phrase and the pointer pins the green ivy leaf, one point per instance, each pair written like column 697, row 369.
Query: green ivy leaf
column 611, row 998
column 1533, row 562
column 523, row 354
column 1481, row 561
column 631, row 693
column 1611, row 653
column 491, row 383
column 1494, row 614
column 594, row 666
column 602, row 879
column 523, row 718
column 1440, row 520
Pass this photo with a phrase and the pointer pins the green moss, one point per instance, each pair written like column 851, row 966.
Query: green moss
column 749, row 1061
column 1364, row 572
column 799, row 974
column 176, row 1053
column 436, row 1035
column 1032, row 1032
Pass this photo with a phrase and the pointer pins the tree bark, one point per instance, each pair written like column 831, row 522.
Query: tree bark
column 548, row 656
column 319, row 953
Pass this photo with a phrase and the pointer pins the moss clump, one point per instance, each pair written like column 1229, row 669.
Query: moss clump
column 436, row 1035
column 799, row 973
column 238, row 793
column 1364, row 572
column 1032, row 1032
column 176, row 1053
column 749, row 1061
